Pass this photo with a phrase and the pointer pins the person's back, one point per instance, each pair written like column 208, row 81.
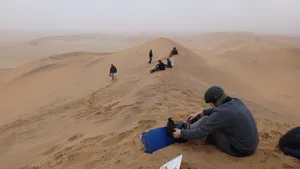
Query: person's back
column 113, row 69
column 161, row 66
column 169, row 63
column 240, row 126
column 150, row 53
column 228, row 123
column 175, row 52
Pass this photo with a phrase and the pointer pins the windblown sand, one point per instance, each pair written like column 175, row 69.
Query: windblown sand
column 60, row 109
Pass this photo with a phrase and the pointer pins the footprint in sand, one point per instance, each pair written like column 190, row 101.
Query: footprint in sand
column 146, row 124
column 290, row 166
column 75, row 137
column 52, row 150
column 91, row 140
column 268, row 154
column 186, row 165
column 268, row 136
column 117, row 138
column 14, row 124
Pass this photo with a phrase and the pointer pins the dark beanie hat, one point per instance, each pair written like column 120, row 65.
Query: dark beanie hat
column 213, row 93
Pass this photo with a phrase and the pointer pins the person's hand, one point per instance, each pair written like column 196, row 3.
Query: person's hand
column 193, row 116
column 176, row 133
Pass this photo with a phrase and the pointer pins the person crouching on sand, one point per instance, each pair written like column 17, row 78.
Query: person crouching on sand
column 113, row 72
column 228, row 123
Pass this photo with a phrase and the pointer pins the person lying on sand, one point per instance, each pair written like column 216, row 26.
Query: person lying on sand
column 228, row 123
column 159, row 66
column 113, row 72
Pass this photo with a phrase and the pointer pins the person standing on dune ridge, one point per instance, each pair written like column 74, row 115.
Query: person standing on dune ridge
column 150, row 56
column 113, row 72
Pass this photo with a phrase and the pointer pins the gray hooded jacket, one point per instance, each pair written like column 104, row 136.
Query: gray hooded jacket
column 232, row 118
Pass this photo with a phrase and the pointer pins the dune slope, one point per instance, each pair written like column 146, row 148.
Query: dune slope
column 77, row 118
column 268, row 64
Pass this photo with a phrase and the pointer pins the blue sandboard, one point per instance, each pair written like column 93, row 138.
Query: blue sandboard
column 155, row 139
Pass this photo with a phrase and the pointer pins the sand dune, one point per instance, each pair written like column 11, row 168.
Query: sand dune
column 270, row 65
column 65, row 112
column 18, row 52
column 3, row 71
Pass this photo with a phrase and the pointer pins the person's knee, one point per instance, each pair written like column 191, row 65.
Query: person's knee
column 203, row 119
column 197, row 122
column 222, row 141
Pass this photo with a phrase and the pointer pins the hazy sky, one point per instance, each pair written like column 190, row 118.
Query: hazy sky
column 282, row 16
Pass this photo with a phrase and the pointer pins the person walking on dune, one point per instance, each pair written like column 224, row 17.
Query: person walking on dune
column 113, row 72
column 228, row 123
column 150, row 56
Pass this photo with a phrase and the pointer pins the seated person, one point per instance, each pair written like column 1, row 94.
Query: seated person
column 174, row 52
column 159, row 66
column 229, row 124
column 289, row 143
column 169, row 63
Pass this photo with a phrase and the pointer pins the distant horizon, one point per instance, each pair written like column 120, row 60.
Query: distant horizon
column 135, row 33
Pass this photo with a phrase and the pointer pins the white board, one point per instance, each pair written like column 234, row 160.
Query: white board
column 173, row 164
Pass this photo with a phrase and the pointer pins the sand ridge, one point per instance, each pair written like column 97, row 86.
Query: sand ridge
column 77, row 118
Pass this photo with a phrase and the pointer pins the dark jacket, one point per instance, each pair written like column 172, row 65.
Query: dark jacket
column 150, row 53
column 169, row 64
column 174, row 52
column 161, row 66
column 113, row 69
column 235, row 120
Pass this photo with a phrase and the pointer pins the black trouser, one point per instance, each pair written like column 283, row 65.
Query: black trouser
column 156, row 69
column 150, row 59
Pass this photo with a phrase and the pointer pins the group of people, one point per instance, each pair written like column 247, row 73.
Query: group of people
column 173, row 52
column 160, row 66
column 228, row 123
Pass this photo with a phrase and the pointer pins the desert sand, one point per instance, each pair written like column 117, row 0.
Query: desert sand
column 60, row 109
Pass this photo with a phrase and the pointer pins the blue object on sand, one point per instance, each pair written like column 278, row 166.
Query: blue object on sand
column 156, row 139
